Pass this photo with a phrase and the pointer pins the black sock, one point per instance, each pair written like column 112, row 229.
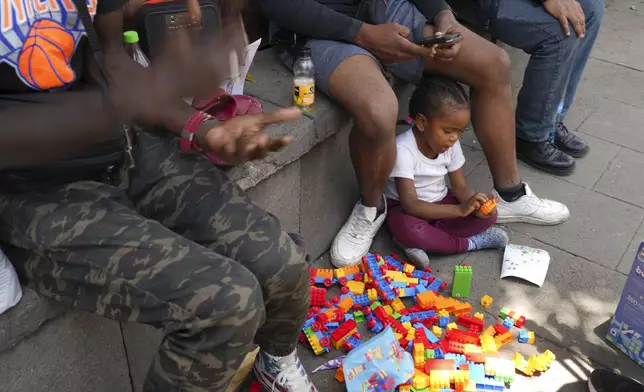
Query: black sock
column 512, row 194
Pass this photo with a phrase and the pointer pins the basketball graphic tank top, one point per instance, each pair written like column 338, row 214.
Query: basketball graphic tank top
column 38, row 39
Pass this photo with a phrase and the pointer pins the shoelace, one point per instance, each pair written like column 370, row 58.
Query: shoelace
column 290, row 377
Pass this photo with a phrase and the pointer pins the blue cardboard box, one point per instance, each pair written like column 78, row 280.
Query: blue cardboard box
column 627, row 327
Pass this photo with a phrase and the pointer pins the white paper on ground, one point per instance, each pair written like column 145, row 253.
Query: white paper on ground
column 10, row 291
column 526, row 263
column 235, row 85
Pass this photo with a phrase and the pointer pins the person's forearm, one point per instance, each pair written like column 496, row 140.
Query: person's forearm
column 429, row 211
column 463, row 193
column 311, row 19
column 430, row 8
column 36, row 133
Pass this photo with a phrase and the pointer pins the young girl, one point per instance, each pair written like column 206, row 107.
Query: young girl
column 424, row 214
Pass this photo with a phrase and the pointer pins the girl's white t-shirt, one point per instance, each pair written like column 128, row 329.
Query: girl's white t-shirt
column 428, row 174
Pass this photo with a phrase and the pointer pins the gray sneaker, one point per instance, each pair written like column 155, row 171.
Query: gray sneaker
column 417, row 257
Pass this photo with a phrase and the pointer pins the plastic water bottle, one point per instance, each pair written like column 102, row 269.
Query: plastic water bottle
column 304, row 81
column 134, row 49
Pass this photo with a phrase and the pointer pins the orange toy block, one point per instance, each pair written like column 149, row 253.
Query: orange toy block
column 460, row 378
column 488, row 206
column 346, row 304
column 408, row 268
column 325, row 273
column 462, row 308
column 490, row 331
column 503, row 339
column 426, row 299
column 339, row 375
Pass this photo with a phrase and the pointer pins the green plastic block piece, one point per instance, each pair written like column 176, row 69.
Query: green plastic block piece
column 375, row 304
column 358, row 317
column 503, row 313
column 462, row 281
column 429, row 354
column 396, row 315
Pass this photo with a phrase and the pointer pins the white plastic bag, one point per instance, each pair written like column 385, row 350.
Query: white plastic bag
column 10, row 291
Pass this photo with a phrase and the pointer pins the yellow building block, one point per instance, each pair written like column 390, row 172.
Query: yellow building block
column 439, row 379
column 397, row 304
column 479, row 315
column 404, row 388
column 488, row 345
column 489, row 331
column 451, row 326
column 388, row 309
column 472, row 349
column 418, row 353
column 357, row 288
column 372, row 294
column 486, row 301
column 408, row 268
column 420, row 380
column 443, row 313
column 437, row 331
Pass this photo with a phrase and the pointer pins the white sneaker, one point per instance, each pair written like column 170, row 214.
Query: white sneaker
column 283, row 374
column 355, row 237
column 531, row 209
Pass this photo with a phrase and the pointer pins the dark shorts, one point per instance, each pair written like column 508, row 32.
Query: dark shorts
column 327, row 55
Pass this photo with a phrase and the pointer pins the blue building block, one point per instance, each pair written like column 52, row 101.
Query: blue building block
column 435, row 285
column 490, row 384
column 420, row 289
column 477, row 372
column 443, row 321
column 458, row 359
column 332, row 326
column 362, row 300
column 439, row 354
column 429, row 334
column 398, row 285
column 508, row 322
column 384, row 290
column 524, row 336
column 394, row 263
column 355, row 342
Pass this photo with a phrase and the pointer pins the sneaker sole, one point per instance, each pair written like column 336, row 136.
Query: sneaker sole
column 341, row 264
column 529, row 219
column 590, row 386
column 547, row 169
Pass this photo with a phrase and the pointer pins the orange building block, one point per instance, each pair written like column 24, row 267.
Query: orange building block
column 346, row 304
column 462, row 308
column 339, row 375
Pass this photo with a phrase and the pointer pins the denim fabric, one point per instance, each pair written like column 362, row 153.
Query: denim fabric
column 556, row 61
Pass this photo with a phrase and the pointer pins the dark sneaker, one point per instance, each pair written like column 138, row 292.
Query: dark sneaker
column 606, row 381
column 570, row 144
column 546, row 157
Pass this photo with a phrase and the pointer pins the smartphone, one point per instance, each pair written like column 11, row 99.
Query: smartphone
column 445, row 39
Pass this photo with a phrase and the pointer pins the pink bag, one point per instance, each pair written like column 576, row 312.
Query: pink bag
column 223, row 106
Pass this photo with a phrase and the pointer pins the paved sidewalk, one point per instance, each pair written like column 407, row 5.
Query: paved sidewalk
column 592, row 252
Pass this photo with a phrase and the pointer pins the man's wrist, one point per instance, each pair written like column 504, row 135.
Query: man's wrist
column 202, row 132
column 361, row 38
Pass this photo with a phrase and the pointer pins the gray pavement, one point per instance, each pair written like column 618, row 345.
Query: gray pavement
column 592, row 252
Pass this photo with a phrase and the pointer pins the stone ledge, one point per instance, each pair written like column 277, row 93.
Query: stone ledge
column 273, row 87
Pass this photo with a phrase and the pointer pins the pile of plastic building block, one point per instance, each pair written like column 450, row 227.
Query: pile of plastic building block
column 452, row 350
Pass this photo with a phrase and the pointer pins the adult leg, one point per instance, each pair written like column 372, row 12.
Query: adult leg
column 552, row 56
column 352, row 76
column 84, row 244
column 195, row 199
column 572, row 144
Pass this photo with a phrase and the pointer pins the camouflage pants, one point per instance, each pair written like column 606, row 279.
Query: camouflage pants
column 177, row 246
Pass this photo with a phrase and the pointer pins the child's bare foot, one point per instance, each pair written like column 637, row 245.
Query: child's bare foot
column 417, row 257
column 489, row 239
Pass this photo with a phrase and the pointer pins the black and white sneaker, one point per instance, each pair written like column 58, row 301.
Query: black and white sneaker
column 606, row 381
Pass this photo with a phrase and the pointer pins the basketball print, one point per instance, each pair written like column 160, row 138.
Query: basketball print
column 45, row 58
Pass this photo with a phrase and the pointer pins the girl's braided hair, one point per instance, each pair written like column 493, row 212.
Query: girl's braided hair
column 436, row 94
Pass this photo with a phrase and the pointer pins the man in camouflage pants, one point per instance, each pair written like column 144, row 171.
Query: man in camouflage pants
column 171, row 243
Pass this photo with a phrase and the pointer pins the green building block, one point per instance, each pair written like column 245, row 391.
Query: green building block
column 503, row 313
column 375, row 304
column 429, row 353
column 358, row 317
column 462, row 281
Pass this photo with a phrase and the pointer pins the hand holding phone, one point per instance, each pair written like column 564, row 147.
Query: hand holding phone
column 449, row 39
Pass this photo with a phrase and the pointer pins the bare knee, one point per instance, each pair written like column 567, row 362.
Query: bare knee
column 376, row 115
column 495, row 69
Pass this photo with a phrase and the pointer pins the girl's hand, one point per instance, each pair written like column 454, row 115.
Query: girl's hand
column 479, row 214
column 473, row 204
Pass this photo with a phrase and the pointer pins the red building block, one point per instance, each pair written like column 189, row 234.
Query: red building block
column 466, row 337
column 318, row 296
column 470, row 322
column 500, row 329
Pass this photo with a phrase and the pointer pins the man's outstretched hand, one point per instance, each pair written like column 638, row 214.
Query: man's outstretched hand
column 241, row 139
column 568, row 12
